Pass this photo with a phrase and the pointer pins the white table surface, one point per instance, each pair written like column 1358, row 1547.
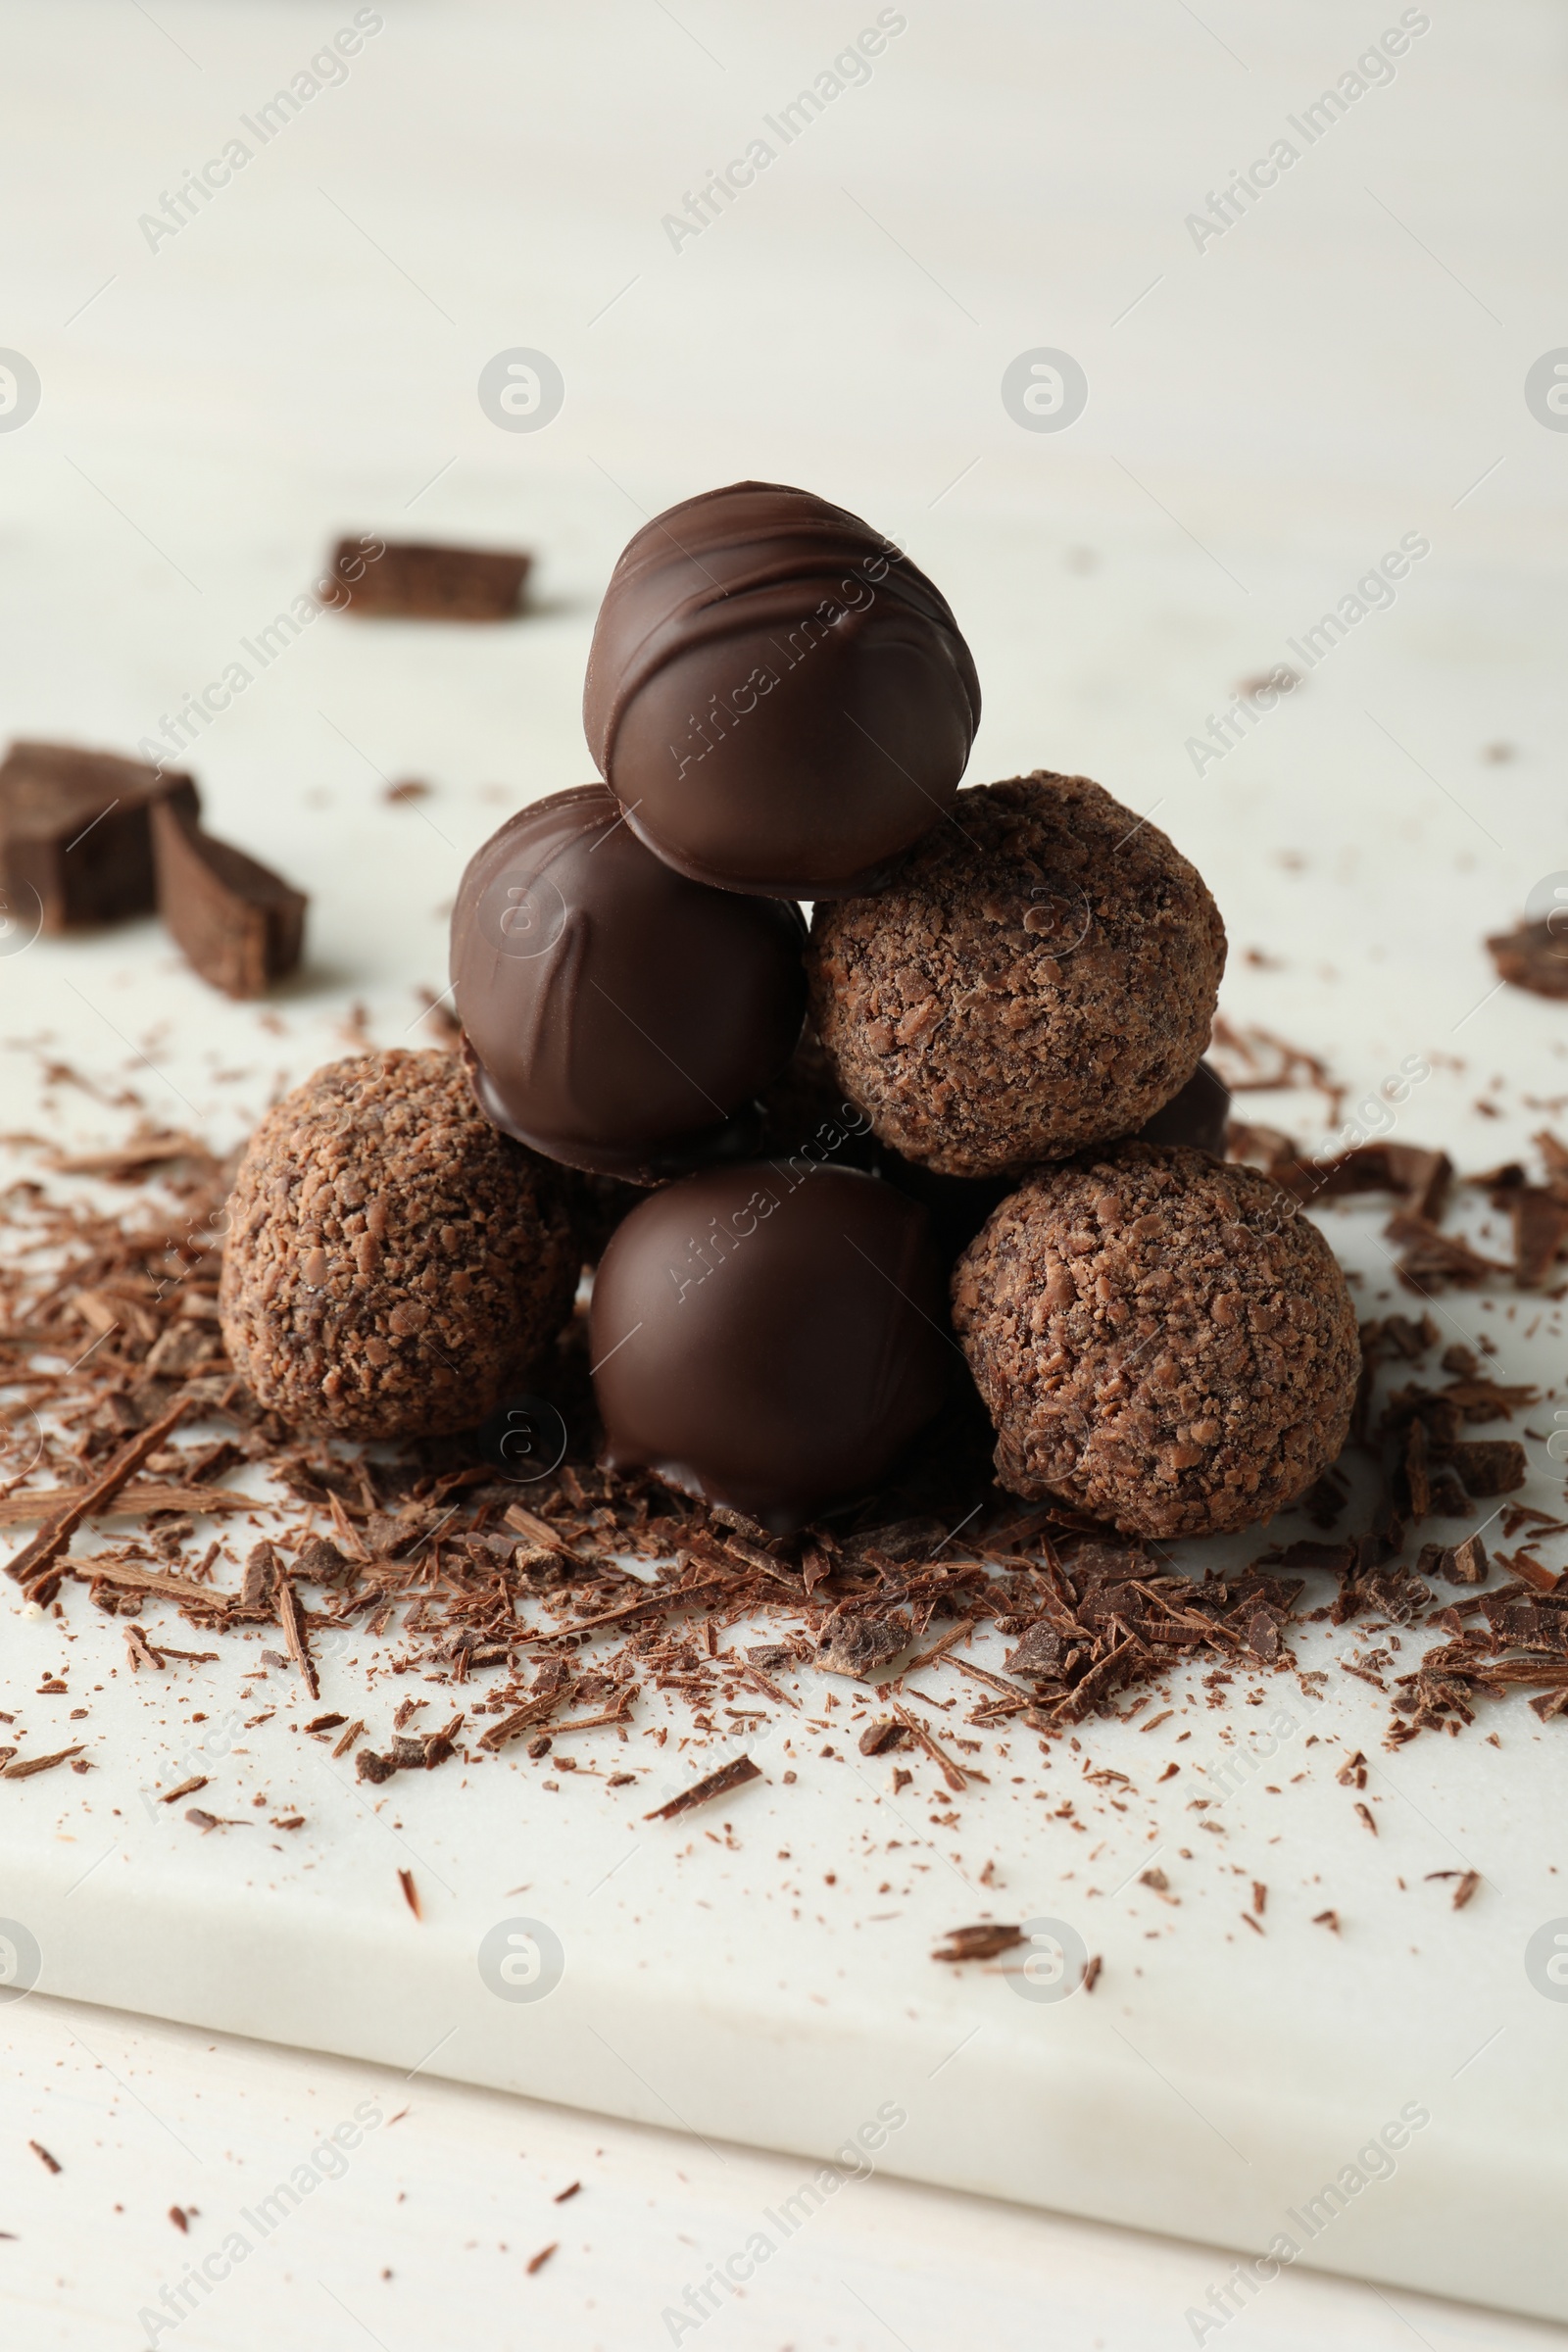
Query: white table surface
column 1342, row 368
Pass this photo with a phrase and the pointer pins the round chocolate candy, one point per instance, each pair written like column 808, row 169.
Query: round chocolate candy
column 778, row 699
column 1038, row 975
column 770, row 1338
column 1161, row 1339
column 617, row 1016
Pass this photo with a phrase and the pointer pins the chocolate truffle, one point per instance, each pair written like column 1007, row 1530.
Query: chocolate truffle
column 1161, row 1340
column 619, row 1017
column 769, row 1338
column 1040, row 974
column 394, row 1267
column 1196, row 1116
column 779, row 698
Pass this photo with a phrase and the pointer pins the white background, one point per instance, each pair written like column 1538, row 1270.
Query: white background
column 1266, row 418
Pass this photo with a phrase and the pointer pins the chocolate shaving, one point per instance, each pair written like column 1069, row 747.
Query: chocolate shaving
column 981, row 1943
column 292, row 1620
column 952, row 1773
column 1433, row 1258
column 198, row 1779
column 34, row 1559
column 1540, row 1223
column 24, row 1767
column 734, row 1775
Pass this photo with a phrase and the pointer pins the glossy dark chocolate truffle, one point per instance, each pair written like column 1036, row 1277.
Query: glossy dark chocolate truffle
column 779, row 698
column 617, row 1016
column 770, row 1336
column 1196, row 1116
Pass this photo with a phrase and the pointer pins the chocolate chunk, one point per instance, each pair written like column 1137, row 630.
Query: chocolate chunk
column 1535, row 957
column 1041, row 1655
column 241, row 925
column 1490, row 1465
column 778, row 699
column 1465, row 1564
column 859, row 1646
column 619, row 1017
column 74, row 832
column 411, row 582
column 769, row 1340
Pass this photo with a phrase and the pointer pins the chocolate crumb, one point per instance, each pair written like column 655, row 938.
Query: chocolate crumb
column 537, row 2261
column 410, row 1893
column 42, row 2153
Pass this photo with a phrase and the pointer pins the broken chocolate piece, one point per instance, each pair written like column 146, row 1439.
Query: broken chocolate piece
column 859, row 1646
column 74, row 831
column 413, row 581
column 1490, row 1465
column 241, row 925
column 1466, row 1563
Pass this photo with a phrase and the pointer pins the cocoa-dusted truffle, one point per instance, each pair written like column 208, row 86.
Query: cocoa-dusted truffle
column 394, row 1266
column 779, row 699
column 1161, row 1339
column 619, row 1017
column 769, row 1336
column 1040, row 974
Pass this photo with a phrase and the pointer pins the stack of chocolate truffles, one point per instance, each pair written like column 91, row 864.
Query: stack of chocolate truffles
column 955, row 1126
